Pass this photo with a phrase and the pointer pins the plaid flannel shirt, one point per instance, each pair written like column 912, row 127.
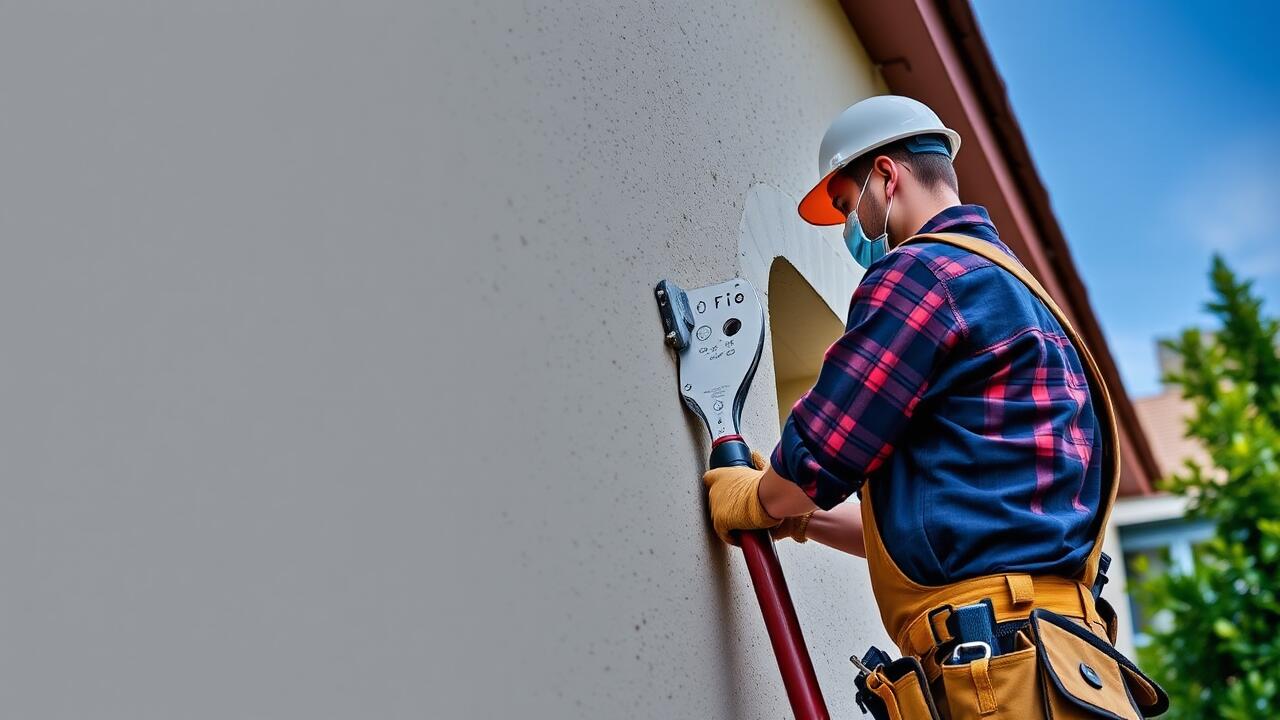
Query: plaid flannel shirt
column 958, row 393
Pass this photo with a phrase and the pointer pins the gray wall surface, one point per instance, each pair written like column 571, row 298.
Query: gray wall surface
column 332, row 382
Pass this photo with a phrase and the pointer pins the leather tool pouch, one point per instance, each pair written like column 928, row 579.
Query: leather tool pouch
column 1085, row 677
column 995, row 688
column 1058, row 670
column 896, row 691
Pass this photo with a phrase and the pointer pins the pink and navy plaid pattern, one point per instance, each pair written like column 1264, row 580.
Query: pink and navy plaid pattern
column 958, row 394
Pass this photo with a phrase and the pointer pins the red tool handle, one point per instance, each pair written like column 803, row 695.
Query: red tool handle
column 775, row 601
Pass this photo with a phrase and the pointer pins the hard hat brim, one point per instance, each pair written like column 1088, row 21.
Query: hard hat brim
column 816, row 207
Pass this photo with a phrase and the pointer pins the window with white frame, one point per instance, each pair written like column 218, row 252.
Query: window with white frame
column 1155, row 548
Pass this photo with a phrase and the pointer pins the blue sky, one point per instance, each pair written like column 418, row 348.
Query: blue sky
column 1156, row 128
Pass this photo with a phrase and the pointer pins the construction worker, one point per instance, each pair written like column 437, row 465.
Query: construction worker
column 976, row 433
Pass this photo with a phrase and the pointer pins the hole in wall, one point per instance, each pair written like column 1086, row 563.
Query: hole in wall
column 801, row 328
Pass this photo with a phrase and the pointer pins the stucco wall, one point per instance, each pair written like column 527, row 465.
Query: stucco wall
column 333, row 386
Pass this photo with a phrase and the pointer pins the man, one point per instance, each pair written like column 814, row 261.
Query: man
column 952, row 388
column 954, row 396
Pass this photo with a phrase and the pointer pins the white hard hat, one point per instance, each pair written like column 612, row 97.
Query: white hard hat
column 867, row 125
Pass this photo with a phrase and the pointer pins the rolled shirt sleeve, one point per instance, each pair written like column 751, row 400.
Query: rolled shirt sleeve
column 901, row 327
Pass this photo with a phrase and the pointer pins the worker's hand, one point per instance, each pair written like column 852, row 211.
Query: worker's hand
column 790, row 527
column 735, row 499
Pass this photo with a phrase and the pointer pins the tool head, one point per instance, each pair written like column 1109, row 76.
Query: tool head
column 718, row 333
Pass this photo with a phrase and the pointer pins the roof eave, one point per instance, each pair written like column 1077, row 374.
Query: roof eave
column 933, row 50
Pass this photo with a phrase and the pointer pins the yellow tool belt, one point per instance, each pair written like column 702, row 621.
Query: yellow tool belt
column 1063, row 663
column 1013, row 598
column 1057, row 669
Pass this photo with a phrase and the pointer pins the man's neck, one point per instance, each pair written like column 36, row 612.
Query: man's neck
column 924, row 213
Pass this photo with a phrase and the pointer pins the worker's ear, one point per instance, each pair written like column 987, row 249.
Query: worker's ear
column 889, row 170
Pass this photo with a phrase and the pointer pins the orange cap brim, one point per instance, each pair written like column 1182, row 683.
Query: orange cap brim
column 816, row 207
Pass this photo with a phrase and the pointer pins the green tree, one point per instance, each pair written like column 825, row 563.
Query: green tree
column 1215, row 644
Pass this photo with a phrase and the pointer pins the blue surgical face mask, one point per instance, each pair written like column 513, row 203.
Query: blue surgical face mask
column 863, row 249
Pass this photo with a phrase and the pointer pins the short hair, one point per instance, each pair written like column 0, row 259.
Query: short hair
column 930, row 169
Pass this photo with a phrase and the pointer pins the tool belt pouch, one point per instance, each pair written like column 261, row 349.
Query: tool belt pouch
column 995, row 688
column 896, row 691
column 1059, row 670
column 1083, row 676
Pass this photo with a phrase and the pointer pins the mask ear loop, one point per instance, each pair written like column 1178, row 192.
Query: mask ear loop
column 886, row 213
column 858, row 203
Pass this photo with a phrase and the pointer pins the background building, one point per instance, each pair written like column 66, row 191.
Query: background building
column 334, row 383
column 1153, row 527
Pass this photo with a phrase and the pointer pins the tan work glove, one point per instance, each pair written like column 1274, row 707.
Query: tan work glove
column 793, row 527
column 734, row 493
column 735, row 503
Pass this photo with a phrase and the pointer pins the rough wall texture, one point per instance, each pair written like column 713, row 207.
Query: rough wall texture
column 333, row 386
